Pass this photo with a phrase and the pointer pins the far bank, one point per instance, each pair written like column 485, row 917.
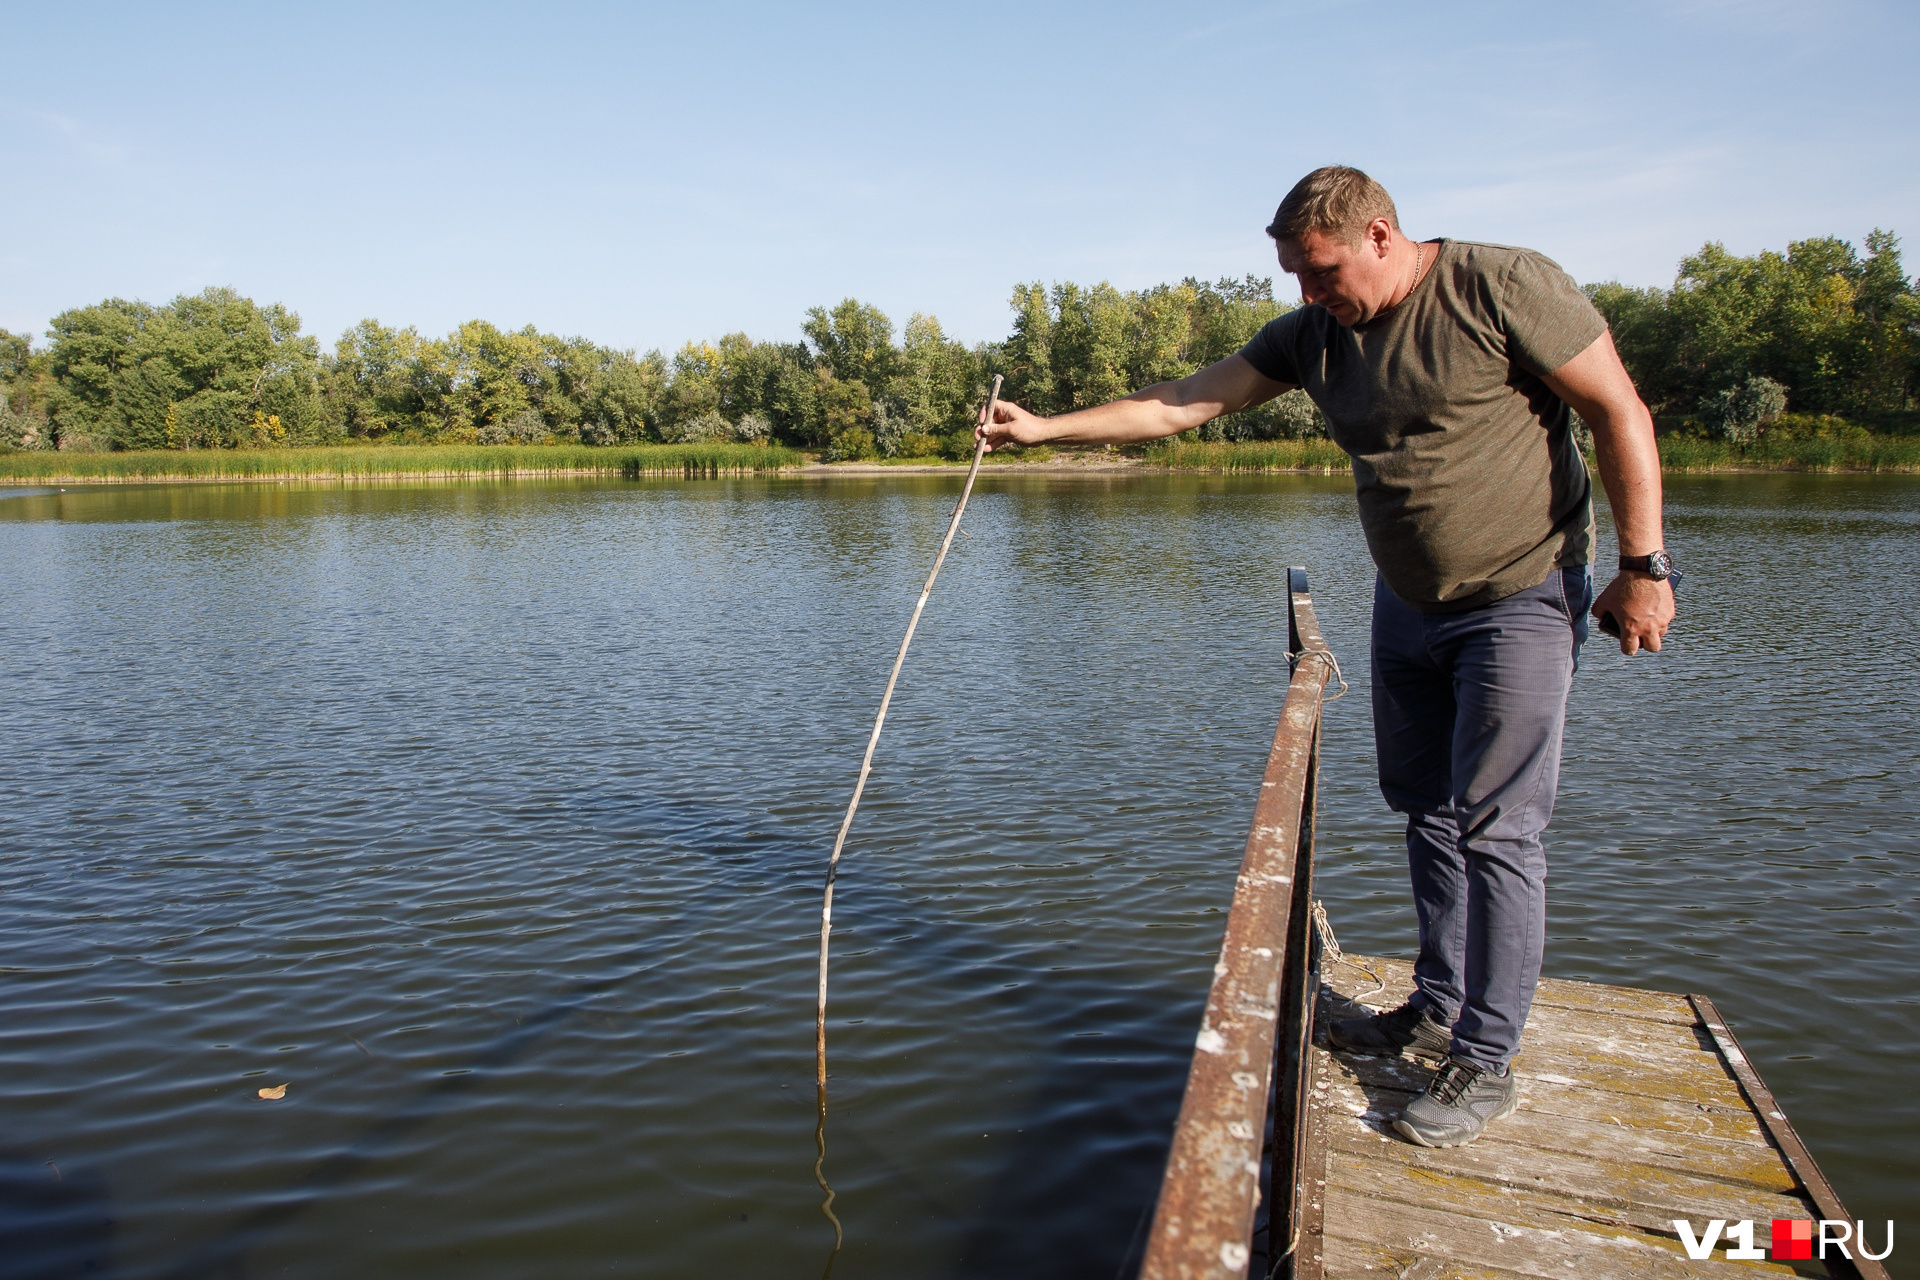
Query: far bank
column 1679, row 455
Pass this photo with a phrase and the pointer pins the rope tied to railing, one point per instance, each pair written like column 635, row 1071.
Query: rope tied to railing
column 1330, row 950
column 1333, row 667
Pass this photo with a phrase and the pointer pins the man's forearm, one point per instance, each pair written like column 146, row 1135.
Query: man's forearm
column 1148, row 414
column 1630, row 472
column 1163, row 409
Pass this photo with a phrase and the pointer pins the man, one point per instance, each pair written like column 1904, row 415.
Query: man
column 1446, row 369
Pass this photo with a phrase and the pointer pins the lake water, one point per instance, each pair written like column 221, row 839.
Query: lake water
column 490, row 819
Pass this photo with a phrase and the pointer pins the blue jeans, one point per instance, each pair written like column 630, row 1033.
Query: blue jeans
column 1468, row 711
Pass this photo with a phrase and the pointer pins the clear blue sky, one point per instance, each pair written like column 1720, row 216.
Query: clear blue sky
column 644, row 175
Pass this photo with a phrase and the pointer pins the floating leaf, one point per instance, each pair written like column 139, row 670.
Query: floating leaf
column 274, row 1094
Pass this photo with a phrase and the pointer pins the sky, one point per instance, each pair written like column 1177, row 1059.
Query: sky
column 643, row 175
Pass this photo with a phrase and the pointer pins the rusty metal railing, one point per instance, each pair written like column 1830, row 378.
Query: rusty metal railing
column 1251, row 1050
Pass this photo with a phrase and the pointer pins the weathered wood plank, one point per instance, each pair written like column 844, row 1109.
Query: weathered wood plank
column 1623, row 1002
column 1584, row 997
column 1416, row 1213
column 1553, row 1098
column 1602, row 1141
column 1631, row 1035
column 1350, row 1260
column 1603, row 1038
column 1603, row 1062
column 1623, row 1036
column 1628, row 1082
column 1626, row 1192
column 1569, row 1062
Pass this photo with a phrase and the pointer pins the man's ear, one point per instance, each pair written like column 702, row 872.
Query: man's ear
column 1380, row 237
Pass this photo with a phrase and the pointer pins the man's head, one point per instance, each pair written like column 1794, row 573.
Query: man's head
column 1336, row 232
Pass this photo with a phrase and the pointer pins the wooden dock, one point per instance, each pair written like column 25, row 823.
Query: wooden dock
column 1630, row 1117
column 1637, row 1109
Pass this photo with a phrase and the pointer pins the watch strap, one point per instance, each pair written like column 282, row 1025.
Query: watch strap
column 1666, row 571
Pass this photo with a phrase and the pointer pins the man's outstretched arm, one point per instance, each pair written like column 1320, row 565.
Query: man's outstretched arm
column 1163, row 409
column 1596, row 384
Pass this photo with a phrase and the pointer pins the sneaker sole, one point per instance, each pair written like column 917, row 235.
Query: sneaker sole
column 1407, row 1131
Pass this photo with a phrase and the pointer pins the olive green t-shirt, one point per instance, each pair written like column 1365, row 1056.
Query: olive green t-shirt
column 1470, row 483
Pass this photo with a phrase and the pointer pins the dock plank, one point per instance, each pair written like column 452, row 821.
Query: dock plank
column 1557, row 1094
column 1741, row 1164
column 1351, row 1260
column 1603, row 1186
column 1622, row 1055
column 1479, row 1227
column 1587, row 997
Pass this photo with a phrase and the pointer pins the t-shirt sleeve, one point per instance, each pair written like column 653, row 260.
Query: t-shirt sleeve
column 1548, row 320
column 1271, row 352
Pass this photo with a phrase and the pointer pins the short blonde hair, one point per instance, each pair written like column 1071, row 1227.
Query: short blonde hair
column 1335, row 199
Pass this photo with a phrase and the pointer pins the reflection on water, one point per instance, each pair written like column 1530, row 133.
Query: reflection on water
column 490, row 816
column 820, row 1176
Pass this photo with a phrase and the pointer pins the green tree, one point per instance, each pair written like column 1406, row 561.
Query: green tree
column 16, row 357
column 375, row 385
column 201, row 371
column 790, row 396
column 937, row 386
column 744, row 367
column 1026, row 358
column 846, row 411
column 1226, row 315
column 25, row 385
column 854, row 341
column 1161, row 341
column 620, row 402
column 693, row 390
column 1834, row 329
column 92, row 356
column 488, row 386
column 1092, row 329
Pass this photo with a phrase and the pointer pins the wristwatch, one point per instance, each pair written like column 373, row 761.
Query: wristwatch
column 1658, row 565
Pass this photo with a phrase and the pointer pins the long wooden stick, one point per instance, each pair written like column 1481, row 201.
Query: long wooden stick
column 866, row 764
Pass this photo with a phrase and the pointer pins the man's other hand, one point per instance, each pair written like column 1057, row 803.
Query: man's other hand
column 1011, row 425
column 1642, row 606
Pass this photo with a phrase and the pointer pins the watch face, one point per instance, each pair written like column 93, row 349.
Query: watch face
column 1659, row 566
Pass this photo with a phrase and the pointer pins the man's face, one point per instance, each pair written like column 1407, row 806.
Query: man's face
column 1352, row 281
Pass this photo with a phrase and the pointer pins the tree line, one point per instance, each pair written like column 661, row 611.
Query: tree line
column 1737, row 346
column 1821, row 338
column 217, row 370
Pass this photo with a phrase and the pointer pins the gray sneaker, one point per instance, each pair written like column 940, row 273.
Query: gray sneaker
column 1461, row 1100
column 1397, row 1031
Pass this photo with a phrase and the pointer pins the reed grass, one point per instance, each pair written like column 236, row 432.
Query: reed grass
column 1851, row 453
column 1247, row 455
column 399, row 460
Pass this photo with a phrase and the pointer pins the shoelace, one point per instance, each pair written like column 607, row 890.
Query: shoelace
column 1454, row 1079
